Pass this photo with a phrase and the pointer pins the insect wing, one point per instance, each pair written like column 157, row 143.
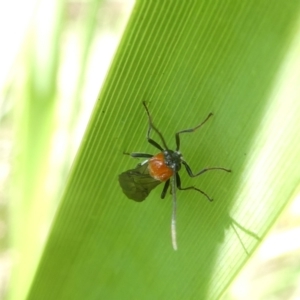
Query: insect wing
column 137, row 183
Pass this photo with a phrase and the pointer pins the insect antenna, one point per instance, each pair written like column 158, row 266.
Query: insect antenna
column 174, row 211
column 152, row 126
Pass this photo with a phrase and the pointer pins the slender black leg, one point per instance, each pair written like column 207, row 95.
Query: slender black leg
column 165, row 189
column 178, row 181
column 138, row 155
column 151, row 126
column 155, row 144
column 177, row 138
column 188, row 169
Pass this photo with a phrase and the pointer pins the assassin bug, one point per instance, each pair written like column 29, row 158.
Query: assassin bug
column 137, row 183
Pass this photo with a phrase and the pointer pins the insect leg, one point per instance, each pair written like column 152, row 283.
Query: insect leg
column 165, row 189
column 138, row 154
column 177, row 138
column 151, row 126
column 178, row 182
column 155, row 144
column 190, row 172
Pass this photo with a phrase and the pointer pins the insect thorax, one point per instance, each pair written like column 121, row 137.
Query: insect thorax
column 173, row 159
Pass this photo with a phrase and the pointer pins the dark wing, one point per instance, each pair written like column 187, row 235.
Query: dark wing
column 137, row 183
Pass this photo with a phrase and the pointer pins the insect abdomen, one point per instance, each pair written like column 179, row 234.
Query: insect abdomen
column 158, row 168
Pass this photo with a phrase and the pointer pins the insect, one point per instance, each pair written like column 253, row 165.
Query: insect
column 137, row 183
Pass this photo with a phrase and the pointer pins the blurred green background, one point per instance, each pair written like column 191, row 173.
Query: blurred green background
column 240, row 61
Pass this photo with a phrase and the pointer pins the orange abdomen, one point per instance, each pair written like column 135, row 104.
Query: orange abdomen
column 158, row 169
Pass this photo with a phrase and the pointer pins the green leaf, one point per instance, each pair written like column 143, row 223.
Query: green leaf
column 236, row 59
